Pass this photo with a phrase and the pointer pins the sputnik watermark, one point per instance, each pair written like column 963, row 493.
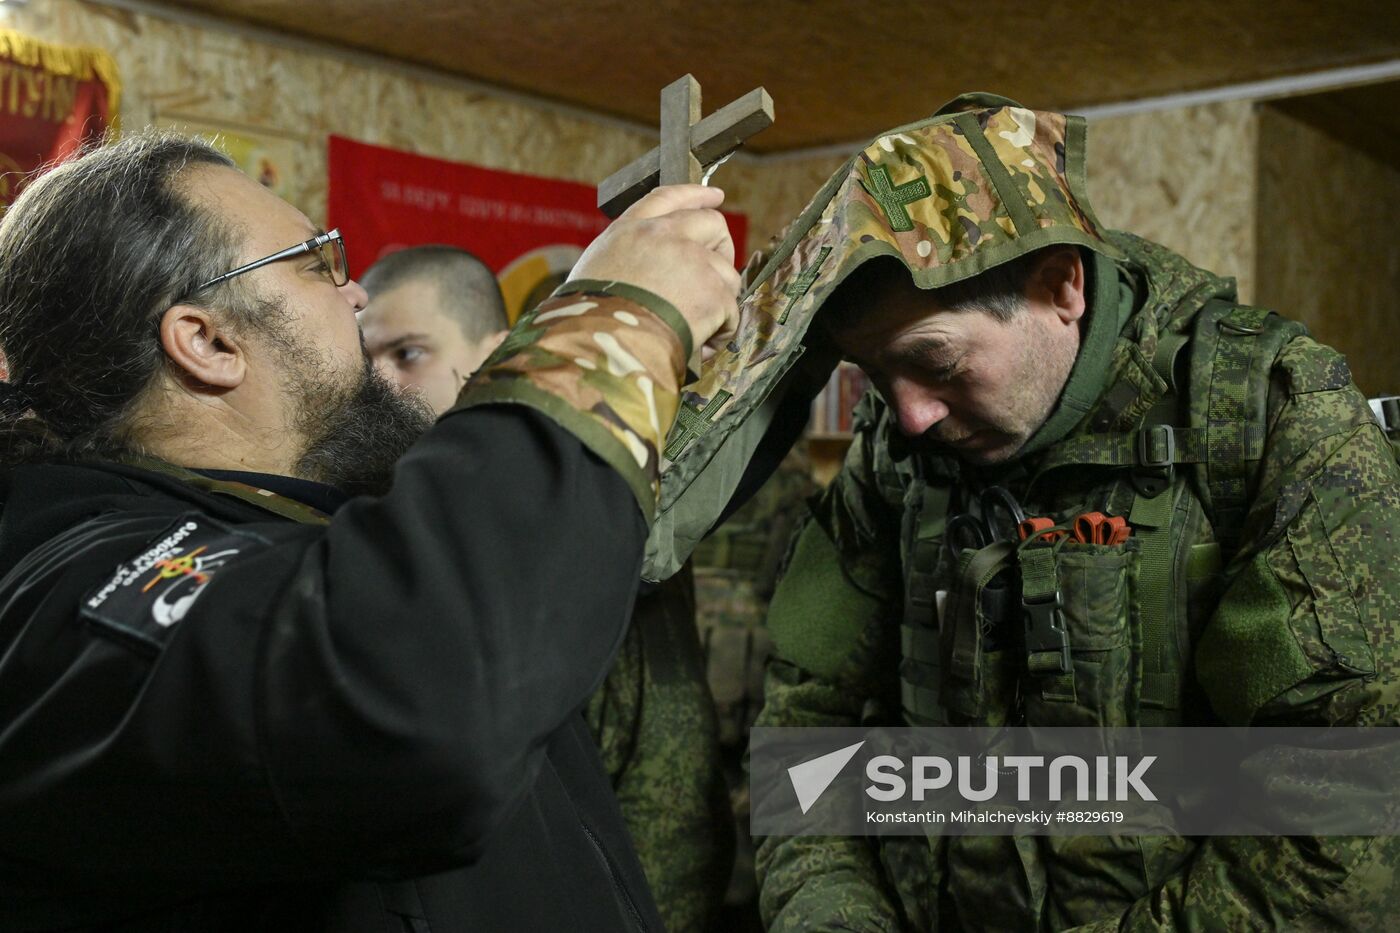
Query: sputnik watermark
column 1075, row 781
column 935, row 773
column 811, row 778
column 1042, row 817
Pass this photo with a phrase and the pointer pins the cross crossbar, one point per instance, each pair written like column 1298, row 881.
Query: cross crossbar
column 710, row 138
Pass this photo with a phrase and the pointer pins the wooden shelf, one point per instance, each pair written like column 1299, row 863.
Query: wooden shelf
column 826, row 452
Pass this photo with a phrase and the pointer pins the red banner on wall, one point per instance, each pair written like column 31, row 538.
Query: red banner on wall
column 53, row 99
column 528, row 229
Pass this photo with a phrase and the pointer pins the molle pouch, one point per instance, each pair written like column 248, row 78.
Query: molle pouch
column 922, row 555
column 1083, row 636
column 922, row 550
column 981, row 606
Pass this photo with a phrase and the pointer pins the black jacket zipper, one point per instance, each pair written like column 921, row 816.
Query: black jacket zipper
column 618, row 886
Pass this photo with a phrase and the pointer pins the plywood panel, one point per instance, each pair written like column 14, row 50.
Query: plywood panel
column 845, row 70
column 170, row 69
column 1181, row 177
column 174, row 69
column 1184, row 178
column 1365, row 117
column 772, row 195
column 1328, row 254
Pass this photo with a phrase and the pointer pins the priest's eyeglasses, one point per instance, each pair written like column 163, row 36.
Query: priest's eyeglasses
column 330, row 246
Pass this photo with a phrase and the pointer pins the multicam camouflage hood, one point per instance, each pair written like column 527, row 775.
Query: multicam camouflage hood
column 980, row 183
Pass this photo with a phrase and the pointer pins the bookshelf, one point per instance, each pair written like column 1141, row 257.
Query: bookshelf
column 829, row 431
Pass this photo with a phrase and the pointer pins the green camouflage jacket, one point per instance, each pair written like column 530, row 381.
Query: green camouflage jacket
column 655, row 727
column 1260, row 586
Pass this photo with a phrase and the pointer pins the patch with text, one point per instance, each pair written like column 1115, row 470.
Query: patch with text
column 148, row 595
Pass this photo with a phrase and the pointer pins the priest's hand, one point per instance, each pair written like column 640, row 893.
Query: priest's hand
column 675, row 243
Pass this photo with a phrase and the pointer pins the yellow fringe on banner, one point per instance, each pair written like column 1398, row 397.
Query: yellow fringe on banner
column 82, row 62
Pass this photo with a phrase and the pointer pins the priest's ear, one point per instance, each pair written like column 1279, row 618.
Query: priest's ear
column 204, row 352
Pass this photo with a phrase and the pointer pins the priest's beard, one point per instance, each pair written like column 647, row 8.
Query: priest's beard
column 354, row 432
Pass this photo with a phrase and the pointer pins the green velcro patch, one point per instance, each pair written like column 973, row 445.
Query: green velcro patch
column 892, row 197
column 1248, row 654
column 817, row 615
column 1311, row 367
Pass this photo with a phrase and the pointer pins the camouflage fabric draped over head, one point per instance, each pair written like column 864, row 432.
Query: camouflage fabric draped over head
column 982, row 182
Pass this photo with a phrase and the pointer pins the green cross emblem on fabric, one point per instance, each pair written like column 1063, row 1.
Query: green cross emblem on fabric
column 892, row 198
column 803, row 283
column 692, row 423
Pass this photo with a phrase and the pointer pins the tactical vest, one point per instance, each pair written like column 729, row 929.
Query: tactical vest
column 1070, row 634
column 1073, row 634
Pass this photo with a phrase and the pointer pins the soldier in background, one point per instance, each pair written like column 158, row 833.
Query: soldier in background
column 434, row 315
column 655, row 726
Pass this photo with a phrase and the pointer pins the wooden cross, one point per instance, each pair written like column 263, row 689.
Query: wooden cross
column 687, row 142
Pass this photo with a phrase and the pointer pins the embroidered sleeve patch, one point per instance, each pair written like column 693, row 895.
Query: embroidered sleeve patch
column 148, row 595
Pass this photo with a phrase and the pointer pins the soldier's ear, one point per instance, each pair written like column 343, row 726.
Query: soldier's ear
column 206, row 356
column 1059, row 283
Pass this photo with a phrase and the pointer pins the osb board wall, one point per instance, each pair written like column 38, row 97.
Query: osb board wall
column 223, row 77
column 1328, row 254
column 1113, row 51
column 171, row 68
column 773, row 194
column 1182, row 177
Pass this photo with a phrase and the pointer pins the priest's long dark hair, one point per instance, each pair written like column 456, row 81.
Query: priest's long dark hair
column 91, row 255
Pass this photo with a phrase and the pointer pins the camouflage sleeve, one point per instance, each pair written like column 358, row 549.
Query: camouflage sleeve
column 603, row 359
column 833, row 666
column 1314, row 602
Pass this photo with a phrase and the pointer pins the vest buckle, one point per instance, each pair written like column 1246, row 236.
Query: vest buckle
column 1156, row 446
column 1156, row 454
column 1047, row 642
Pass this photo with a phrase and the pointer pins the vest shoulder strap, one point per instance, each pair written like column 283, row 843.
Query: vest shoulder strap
column 1233, row 349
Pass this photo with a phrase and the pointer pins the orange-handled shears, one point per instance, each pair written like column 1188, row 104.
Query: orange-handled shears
column 1098, row 528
